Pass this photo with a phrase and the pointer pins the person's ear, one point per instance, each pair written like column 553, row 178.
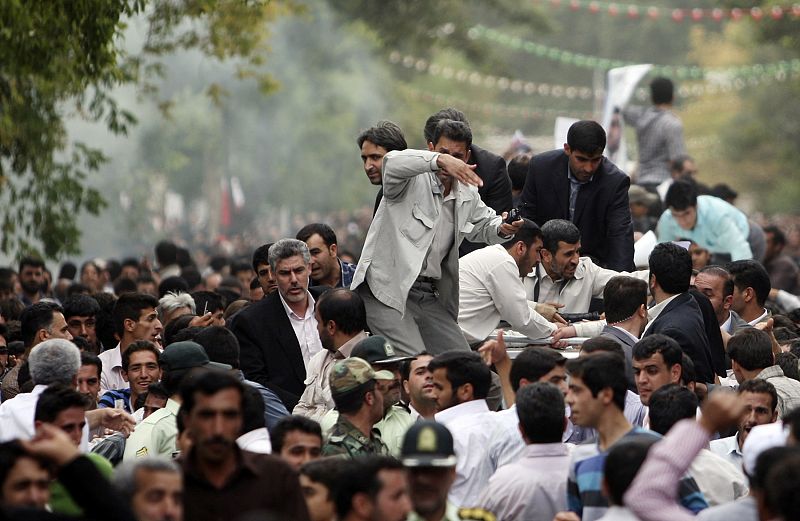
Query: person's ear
column 467, row 155
column 431, row 146
column 334, row 249
column 675, row 373
column 465, row 393
column 567, row 150
column 362, row 505
column 129, row 324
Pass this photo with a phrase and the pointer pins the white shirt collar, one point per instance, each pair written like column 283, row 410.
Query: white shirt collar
column 726, row 326
column 760, row 318
column 292, row 314
column 625, row 331
column 655, row 311
column 462, row 409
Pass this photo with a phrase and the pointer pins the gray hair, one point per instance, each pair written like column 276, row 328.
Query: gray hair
column 54, row 361
column 174, row 300
column 285, row 248
column 124, row 479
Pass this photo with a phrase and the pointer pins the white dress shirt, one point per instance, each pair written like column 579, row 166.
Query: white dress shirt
column 111, row 377
column 257, row 441
column 719, row 480
column 655, row 311
column 763, row 317
column 491, row 290
column 728, row 448
column 475, row 433
column 534, row 488
column 305, row 329
column 16, row 418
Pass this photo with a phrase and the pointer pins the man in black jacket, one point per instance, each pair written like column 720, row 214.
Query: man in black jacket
column 676, row 313
column 278, row 334
column 580, row 185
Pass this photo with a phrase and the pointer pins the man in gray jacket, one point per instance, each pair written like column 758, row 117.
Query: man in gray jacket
column 408, row 272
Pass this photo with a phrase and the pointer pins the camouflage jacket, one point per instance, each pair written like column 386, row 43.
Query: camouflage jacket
column 347, row 441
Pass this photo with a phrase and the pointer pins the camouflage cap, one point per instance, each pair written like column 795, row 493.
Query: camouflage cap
column 349, row 374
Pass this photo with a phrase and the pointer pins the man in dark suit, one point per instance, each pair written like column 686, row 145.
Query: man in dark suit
column 578, row 184
column 625, row 301
column 676, row 313
column 491, row 168
column 278, row 334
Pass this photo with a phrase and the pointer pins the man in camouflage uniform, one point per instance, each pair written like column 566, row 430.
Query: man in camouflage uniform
column 360, row 407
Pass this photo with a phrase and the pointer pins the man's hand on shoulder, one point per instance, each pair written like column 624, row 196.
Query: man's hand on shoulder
column 458, row 169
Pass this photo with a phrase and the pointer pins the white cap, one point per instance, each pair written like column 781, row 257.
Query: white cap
column 761, row 438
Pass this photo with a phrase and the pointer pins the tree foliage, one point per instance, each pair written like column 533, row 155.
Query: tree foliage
column 62, row 59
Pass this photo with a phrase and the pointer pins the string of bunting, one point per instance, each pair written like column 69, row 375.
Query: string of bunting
column 490, row 109
column 678, row 15
column 531, row 88
column 779, row 70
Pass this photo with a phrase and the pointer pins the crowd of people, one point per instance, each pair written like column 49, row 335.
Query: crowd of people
column 307, row 382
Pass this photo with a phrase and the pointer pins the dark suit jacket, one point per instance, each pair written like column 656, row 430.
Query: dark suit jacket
column 626, row 343
column 496, row 189
column 682, row 320
column 602, row 212
column 713, row 333
column 269, row 351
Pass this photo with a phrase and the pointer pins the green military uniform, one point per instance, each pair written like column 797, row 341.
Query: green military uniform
column 346, row 440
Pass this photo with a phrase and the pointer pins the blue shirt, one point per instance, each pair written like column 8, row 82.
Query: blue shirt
column 584, row 483
column 720, row 228
column 109, row 398
column 347, row 270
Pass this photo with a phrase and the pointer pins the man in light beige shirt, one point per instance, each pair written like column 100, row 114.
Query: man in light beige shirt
column 341, row 321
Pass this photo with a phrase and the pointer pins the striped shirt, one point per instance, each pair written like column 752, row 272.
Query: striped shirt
column 109, row 399
column 584, row 483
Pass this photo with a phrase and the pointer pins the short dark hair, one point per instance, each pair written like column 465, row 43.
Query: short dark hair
column 175, row 326
column 719, row 271
column 261, row 256
column 586, row 136
column 623, row 463
column 602, row 371
column 345, row 307
column 405, row 365
column 208, row 383
column 751, row 348
column 528, row 233
column 208, row 301
column 751, row 274
column 54, row 400
column 34, row 262
column 135, row 347
column 788, row 363
column 676, row 165
column 80, row 306
column 559, row 230
column 10, row 453
column 92, row 359
column 464, row 367
column 130, row 306
column 781, row 485
column 324, row 471
column 125, row 285
column 688, row 372
column 672, row 267
column 240, row 265
column 434, row 119
column 661, row 90
column 323, row 230
column 533, row 363
column 166, row 253
column 681, row 195
column 453, row 130
column 220, row 344
column 622, row 296
column 601, row 344
column 36, row 317
column 540, row 408
column 252, row 409
column 778, row 237
column 384, row 134
column 291, row 423
column 657, row 343
column 360, row 476
column 518, row 171
column 670, row 404
column 172, row 285
column 759, row 386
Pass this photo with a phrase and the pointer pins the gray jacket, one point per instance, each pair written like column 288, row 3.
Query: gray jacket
column 402, row 231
